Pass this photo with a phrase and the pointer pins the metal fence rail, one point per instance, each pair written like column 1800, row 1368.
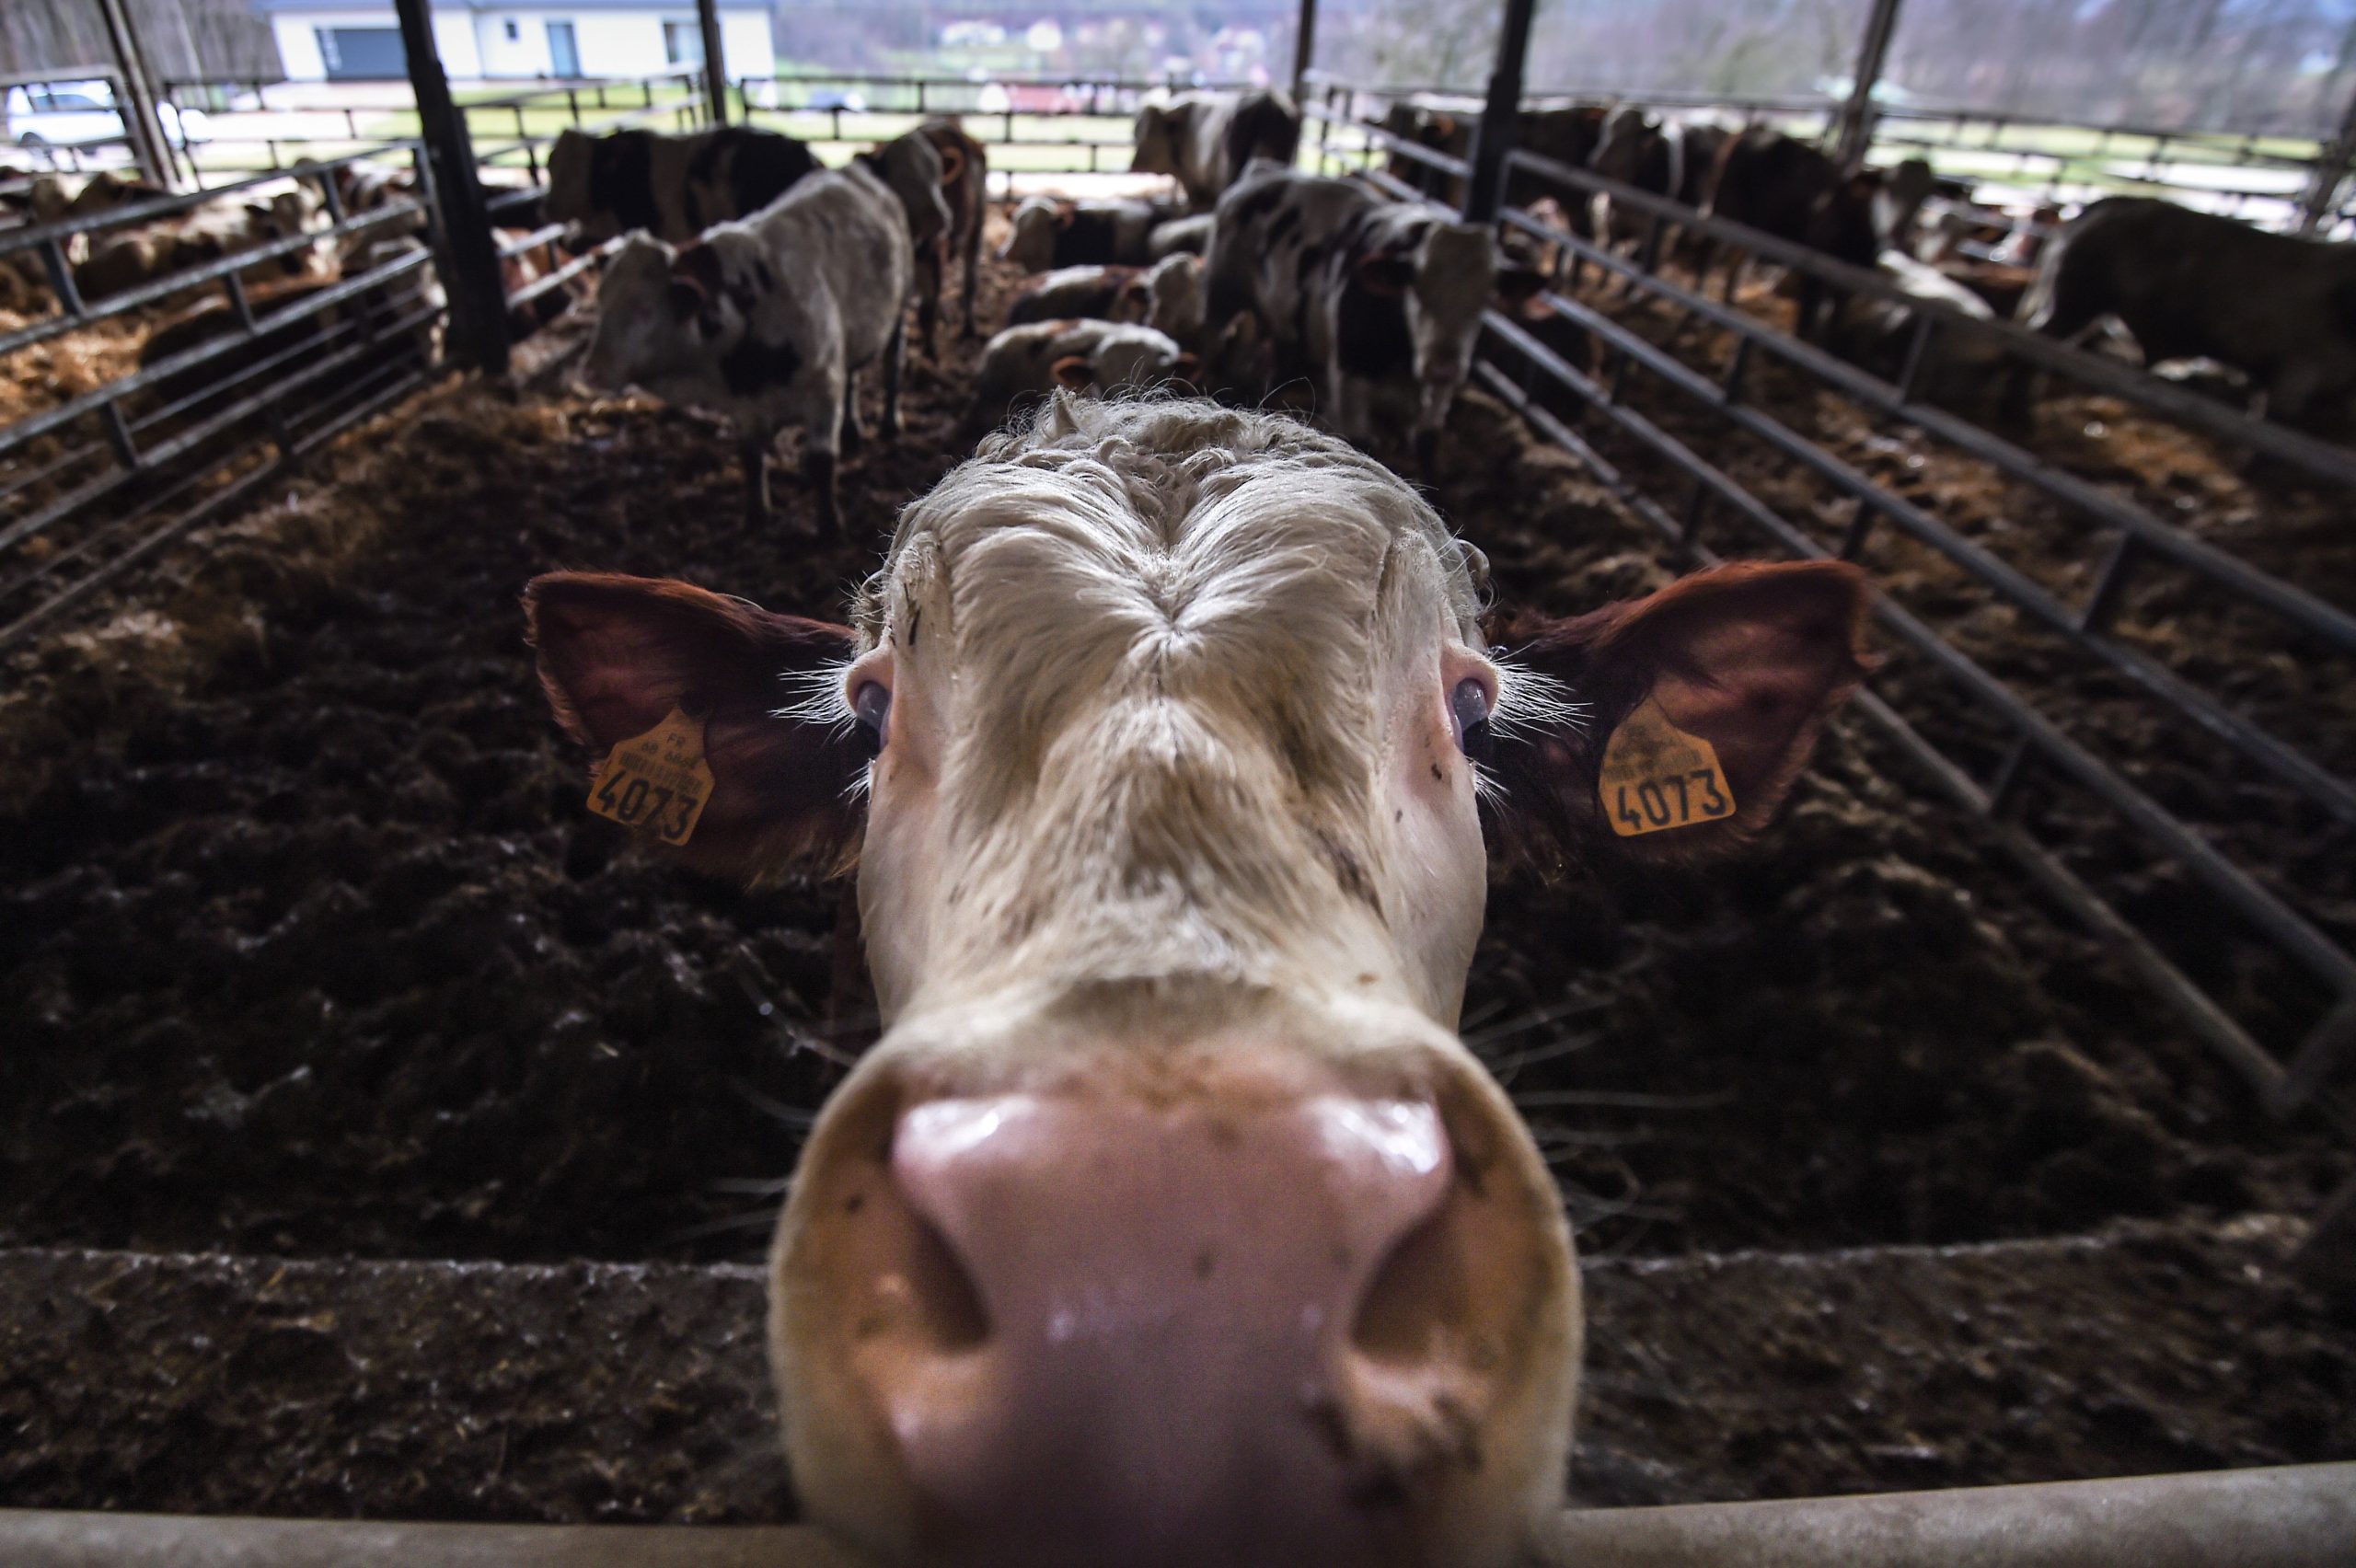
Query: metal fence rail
column 2063, row 161
column 2037, row 741
column 2291, row 1516
column 149, row 455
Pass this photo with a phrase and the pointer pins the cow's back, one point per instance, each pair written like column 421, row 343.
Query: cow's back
column 738, row 171
column 839, row 247
column 1263, row 124
column 2190, row 284
column 1274, row 230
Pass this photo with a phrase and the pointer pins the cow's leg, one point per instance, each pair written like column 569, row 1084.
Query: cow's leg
column 895, row 356
column 752, row 450
column 853, row 437
column 928, row 271
column 818, row 465
column 973, row 275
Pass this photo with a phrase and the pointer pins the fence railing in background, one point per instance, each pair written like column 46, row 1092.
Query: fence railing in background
column 100, row 481
column 2029, row 156
column 53, row 126
column 2138, row 542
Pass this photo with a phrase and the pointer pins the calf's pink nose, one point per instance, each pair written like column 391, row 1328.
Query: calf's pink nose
column 1164, row 1368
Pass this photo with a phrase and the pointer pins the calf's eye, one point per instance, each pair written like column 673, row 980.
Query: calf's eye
column 1468, row 709
column 872, row 708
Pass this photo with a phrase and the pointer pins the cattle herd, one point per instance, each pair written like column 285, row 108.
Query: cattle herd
column 1171, row 1221
column 1256, row 280
column 2272, row 316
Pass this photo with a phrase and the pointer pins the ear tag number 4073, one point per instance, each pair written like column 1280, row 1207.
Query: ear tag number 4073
column 1656, row 777
column 657, row 782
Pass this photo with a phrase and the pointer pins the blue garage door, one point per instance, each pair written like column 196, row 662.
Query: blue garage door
column 364, row 55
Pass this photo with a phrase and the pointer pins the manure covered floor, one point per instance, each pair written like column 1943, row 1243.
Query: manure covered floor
column 308, row 949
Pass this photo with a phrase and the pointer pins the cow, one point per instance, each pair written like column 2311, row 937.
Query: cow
column 1048, row 232
column 1794, row 191
column 1667, row 157
column 140, row 254
column 1377, row 302
column 1024, row 366
column 2280, row 308
column 1957, row 367
column 769, row 321
column 964, row 186
column 1191, row 235
column 1170, row 1222
column 1167, row 297
column 1570, row 136
column 1204, row 141
column 913, row 168
column 673, row 187
column 412, row 300
column 1567, row 135
column 1445, row 130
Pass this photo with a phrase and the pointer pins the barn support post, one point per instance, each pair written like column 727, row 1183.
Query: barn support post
column 470, row 269
column 1304, row 48
column 1493, row 142
column 1855, row 129
column 140, row 123
column 2330, row 168
column 715, row 63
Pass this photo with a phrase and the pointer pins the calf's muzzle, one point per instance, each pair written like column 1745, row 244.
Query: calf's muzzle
column 1105, row 1326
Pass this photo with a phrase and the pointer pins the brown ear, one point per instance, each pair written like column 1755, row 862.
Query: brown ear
column 1073, row 371
column 1750, row 657
column 695, row 279
column 952, row 162
column 616, row 654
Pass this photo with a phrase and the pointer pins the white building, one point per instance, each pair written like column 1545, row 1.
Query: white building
column 340, row 40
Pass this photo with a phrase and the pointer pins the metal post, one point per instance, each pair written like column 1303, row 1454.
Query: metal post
column 1856, row 124
column 470, row 260
column 1485, row 190
column 140, row 120
column 2331, row 167
column 1304, row 48
column 715, row 63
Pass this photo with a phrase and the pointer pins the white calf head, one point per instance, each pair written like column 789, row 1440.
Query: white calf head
column 1159, row 127
column 1030, row 240
column 1169, row 1223
column 659, row 310
column 1174, row 292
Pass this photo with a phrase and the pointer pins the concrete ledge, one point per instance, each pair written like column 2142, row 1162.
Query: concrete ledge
column 2299, row 1518
column 592, row 1393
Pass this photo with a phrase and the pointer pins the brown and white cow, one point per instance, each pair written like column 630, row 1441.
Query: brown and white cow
column 1170, row 1223
column 1048, row 232
column 1378, row 302
column 1204, row 141
column 964, row 186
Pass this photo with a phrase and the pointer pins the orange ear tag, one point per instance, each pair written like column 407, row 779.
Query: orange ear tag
column 657, row 782
column 1656, row 777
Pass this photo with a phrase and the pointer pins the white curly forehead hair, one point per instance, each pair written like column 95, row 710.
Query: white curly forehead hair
column 1162, row 639
column 1195, row 507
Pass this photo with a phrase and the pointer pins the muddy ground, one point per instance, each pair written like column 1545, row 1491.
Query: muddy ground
column 310, row 948
column 2250, row 661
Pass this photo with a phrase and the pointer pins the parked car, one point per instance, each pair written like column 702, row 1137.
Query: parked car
column 80, row 114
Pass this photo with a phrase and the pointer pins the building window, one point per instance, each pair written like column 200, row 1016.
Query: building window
column 515, row 31
column 683, row 43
